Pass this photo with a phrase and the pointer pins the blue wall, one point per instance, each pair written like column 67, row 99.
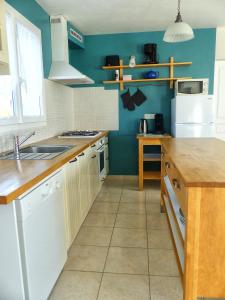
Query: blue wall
column 35, row 14
column 201, row 51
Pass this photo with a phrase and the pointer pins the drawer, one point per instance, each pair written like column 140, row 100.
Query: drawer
column 176, row 181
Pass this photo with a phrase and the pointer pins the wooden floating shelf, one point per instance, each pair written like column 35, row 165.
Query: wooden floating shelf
column 144, row 80
column 152, row 175
column 188, row 63
column 170, row 65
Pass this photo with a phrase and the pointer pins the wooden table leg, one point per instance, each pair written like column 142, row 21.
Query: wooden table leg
column 140, row 166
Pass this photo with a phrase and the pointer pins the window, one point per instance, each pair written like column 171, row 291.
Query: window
column 21, row 92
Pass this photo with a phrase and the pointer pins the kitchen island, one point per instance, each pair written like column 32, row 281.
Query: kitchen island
column 193, row 194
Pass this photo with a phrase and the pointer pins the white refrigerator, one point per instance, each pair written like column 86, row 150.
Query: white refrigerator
column 192, row 116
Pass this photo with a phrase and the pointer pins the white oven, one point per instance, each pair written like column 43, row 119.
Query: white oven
column 100, row 145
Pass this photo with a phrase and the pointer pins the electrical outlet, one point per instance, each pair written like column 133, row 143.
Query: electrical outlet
column 149, row 116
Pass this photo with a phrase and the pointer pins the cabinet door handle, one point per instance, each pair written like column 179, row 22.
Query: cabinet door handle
column 82, row 154
column 74, row 160
column 93, row 146
column 93, row 156
column 167, row 165
column 176, row 184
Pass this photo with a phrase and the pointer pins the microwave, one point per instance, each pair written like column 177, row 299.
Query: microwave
column 192, row 86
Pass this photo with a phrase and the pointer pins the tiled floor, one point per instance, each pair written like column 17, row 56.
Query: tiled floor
column 123, row 250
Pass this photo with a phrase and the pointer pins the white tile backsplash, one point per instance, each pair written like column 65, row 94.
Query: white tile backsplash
column 59, row 116
column 96, row 109
column 91, row 108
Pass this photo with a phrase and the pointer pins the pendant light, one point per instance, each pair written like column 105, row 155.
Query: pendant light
column 179, row 31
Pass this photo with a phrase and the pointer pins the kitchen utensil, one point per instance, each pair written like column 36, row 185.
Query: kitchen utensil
column 151, row 74
column 126, row 98
column 143, row 126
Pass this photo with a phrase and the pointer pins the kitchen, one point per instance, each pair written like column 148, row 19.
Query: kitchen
column 69, row 231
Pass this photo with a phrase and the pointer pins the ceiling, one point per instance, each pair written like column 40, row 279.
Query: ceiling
column 105, row 16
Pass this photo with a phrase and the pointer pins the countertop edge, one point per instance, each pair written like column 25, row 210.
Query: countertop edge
column 6, row 199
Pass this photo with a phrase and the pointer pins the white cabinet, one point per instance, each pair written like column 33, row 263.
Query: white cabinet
column 219, row 92
column 84, row 184
column 3, row 40
column 72, row 200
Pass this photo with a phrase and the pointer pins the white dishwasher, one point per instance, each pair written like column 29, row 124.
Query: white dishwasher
column 41, row 230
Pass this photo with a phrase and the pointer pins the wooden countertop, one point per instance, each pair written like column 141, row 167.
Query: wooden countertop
column 18, row 176
column 153, row 136
column 200, row 161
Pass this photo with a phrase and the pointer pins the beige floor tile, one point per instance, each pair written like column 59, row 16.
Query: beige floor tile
column 76, row 285
column 133, row 194
column 132, row 208
column 153, row 197
column 123, row 237
column 152, row 208
column 111, row 189
column 130, row 221
column 162, row 262
column 100, row 220
column 86, row 258
column 93, row 236
column 102, row 207
column 108, row 197
column 166, row 288
column 124, row 287
column 157, row 221
column 127, row 260
column 127, row 199
column 159, row 239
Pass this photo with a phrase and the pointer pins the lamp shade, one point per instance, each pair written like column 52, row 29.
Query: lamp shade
column 178, row 32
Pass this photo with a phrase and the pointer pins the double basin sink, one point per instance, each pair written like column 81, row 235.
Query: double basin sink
column 39, row 152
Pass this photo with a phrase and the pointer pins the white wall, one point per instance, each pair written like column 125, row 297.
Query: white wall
column 59, row 109
column 220, row 43
column 96, row 109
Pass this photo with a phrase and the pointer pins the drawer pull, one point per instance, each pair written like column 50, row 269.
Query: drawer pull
column 167, row 165
column 74, row 160
column 93, row 146
column 82, row 154
column 176, row 184
column 93, row 156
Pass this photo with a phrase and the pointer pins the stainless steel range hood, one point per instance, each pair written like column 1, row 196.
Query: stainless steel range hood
column 61, row 71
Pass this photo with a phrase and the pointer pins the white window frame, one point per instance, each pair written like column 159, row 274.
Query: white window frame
column 18, row 119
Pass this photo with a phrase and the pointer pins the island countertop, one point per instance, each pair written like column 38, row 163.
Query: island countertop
column 18, row 176
column 200, row 161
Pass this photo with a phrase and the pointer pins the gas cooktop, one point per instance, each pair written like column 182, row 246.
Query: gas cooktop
column 80, row 134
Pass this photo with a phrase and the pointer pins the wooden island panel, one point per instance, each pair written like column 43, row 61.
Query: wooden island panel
column 199, row 164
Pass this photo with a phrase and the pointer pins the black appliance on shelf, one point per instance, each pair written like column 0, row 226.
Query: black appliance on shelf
column 150, row 52
column 112, row 60
column 159, row 129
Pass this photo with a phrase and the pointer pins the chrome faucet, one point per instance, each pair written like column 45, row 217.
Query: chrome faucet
column 18, row 142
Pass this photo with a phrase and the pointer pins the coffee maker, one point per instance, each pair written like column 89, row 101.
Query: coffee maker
column 150, row 51
column 159, row 124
